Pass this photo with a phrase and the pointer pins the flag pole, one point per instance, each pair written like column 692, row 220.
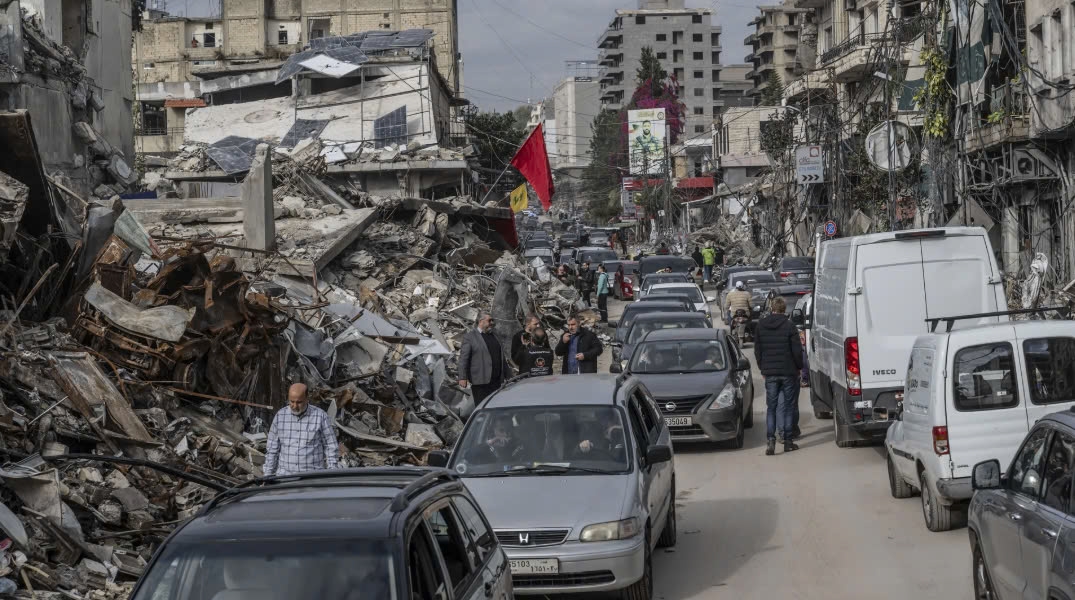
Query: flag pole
column 493, row 187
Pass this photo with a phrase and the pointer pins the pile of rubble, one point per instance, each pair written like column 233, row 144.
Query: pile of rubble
column 140, row 372
column 735, row 240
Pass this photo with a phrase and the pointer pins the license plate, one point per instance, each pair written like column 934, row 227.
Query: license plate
column 803, row 276
column 538, row 566
column 677, row 421
column 860, row 404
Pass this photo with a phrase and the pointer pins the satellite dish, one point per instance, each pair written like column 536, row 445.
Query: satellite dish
column 890, row 146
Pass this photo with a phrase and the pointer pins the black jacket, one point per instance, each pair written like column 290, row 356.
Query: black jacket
column 588, row 345
column 777, row 348
column 586, row 279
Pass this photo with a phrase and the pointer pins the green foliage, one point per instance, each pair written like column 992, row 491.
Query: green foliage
column 996, row 116
column 650, row 71
column 933, row 97
column 606, row 150
column 604, row 208
column 773, row 92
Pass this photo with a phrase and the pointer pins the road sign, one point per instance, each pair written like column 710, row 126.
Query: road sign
column 809, row 164
column 830, row 228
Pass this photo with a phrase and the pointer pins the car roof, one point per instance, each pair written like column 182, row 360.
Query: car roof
column 1064, row 417
column 667, row 316
column 330, row 503
column 665, row 298
column 556, row 390
column 652, row 305
column 685, row 334
column 674, row 284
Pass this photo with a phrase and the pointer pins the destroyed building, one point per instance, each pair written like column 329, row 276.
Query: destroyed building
column 182, row 63
column 58, row 59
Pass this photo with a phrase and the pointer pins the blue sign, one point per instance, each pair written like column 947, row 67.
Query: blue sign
column 830, row 228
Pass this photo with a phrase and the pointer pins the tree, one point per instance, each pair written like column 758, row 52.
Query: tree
column 773, row 92
column 497, row 136
column 650, row 72
column 522, row 115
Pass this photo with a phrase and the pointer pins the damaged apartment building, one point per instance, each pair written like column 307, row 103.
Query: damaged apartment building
column 57, row 59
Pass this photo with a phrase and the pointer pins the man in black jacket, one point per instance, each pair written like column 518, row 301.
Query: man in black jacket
column 580, row 349
column 585, row 282
column 779, row 355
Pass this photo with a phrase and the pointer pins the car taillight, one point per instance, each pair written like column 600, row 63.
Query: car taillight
column 785, row 274
column 940, row 440
column 851, row 360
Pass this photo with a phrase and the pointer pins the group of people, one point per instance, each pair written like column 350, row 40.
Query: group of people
column 587, row 282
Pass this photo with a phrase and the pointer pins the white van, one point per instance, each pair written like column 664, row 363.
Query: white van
column 972, row 395
column 872, row 296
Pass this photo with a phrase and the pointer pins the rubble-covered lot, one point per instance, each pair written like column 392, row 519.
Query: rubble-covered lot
column 141, row 363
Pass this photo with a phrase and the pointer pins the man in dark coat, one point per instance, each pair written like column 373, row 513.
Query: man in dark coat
column 585, row 281
column 483, row 362
column 580, row 349
column 779, row 356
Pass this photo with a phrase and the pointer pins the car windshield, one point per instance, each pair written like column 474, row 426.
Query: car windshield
column 596, row 257
column 751, row 278
column 691, row 292
column 502, row 442
column 798, row 262
column 653, row 280
column 675, row 264
column 679, row 356
column 538, row 252
column 295, row 570
column 641, row 328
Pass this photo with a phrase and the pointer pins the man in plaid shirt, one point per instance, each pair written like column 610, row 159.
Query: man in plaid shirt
column 302, row 438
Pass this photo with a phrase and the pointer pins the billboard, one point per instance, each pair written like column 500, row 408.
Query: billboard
column 646, row 140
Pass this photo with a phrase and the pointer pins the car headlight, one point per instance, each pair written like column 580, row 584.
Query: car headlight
column 725, row 399
column 613, row 530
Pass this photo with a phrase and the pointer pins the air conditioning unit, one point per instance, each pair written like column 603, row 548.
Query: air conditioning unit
column 1029, row 164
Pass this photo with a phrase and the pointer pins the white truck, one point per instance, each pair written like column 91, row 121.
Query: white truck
column 972, row 395
column 872, row 296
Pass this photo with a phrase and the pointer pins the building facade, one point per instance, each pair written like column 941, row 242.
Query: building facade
column 775, row 44
column 576, row 101
column 684, row 40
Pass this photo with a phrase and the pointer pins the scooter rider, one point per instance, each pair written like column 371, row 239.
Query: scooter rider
column 739, row 298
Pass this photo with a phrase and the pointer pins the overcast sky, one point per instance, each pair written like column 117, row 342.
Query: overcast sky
column 517, row 48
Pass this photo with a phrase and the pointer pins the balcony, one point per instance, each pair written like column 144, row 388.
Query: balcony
column 811, row 3
column 750, row 39
column 749, row 58
column 611, row 38
column 849, row 58
column 611, row 59
column 1009, row 120
column 810, row 82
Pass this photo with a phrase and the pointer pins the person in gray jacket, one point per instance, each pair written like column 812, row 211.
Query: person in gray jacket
column 483, row 363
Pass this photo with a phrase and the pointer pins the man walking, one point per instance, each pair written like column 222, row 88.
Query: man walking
column 709, row 260
column 602, row 292
column 302, row 438
column 580, row 349
column 483, row 364
column 779, row 356
column 586, row 282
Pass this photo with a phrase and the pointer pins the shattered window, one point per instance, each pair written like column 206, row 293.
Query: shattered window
column 391, row 128
column 209, row 40
column 1051, row 366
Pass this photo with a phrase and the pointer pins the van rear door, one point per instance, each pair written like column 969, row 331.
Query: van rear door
column 985, row 409
column 891, row 310
column 957, row 271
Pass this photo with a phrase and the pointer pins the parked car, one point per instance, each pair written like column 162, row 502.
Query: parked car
column 673, row 264
column 701, row 381
column 595, row 256
column 569, row 239
column 633, row 310
column 622, row 289
column 391, row 532
column 1021, row 523
column 643, row 324
column 722, row 281
column 654, row 278
column 537, row 243
column 753, row 280
column 598, row 443
column 970, row 396
column 687, row 301
column 795, row 269
column 545, row 254
column 873, row 296
column 690, row 290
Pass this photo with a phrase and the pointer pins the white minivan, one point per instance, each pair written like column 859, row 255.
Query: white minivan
column 872, row 296
column 972, row 395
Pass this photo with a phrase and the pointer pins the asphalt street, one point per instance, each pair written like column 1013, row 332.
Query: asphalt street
column 816, row 524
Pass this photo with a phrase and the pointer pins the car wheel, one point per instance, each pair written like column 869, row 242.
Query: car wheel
column 897, row 485
column 668, row 536
column 736, row 443
column 748, row 421
column 983, row 584
column 843, row 437
column 643, row 588
column 938, row 517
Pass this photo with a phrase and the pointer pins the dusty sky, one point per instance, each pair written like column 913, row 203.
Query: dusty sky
column 517, row 48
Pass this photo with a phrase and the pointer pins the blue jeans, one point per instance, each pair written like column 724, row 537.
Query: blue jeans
column 781, row 404
column 708, row 270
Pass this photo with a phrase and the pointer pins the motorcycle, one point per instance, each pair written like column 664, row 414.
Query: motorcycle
column 739, row 326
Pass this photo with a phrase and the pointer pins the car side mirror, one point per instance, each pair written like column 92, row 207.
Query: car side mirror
column 615, row 367
column 986, row 475
column 742, row 365
column 613, row 324
column 658, row 454
column 437, row 458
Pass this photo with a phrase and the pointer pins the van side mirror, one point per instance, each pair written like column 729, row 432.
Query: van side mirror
column 742, row 365
column 658, row 454
column 437, row 458
column 797, row 317
column 986, row 475
column 615, row 367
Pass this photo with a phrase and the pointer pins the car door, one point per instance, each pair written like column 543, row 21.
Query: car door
column 1048, row 373
column 426, row 574
column 648, row 492
column 1041, row 527
column 484, row 551
column 464, row 577
column 1004, row 512
column 660, row 435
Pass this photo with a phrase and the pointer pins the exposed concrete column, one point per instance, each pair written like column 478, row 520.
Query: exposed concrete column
column 1010, row 243
column 259, row 227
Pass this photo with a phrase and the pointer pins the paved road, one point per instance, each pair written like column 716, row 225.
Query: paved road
column 816, row 524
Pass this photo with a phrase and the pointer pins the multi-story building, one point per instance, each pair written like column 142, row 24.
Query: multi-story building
column 684, row 40
column 182, row 63
column 775, row 44
column 736, row 89
column 576, row 103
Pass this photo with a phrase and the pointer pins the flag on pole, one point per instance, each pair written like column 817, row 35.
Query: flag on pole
column 519, row 199
column 532, row 160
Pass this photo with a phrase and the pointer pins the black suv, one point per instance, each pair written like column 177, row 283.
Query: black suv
column 404, row 533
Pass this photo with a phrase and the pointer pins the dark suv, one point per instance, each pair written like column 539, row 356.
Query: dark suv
column 406, row 533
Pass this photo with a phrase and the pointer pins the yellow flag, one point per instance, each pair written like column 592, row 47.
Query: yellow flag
column 519, row 199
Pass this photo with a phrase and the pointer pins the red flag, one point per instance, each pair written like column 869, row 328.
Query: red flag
column 533, row 162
